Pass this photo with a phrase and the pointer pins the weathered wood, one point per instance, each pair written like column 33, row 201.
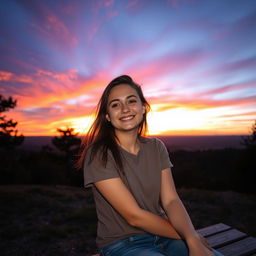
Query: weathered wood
column 244, row 247
column 213, row 229
column 225, row 237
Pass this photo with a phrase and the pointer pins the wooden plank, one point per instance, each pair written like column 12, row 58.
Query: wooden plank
column 213, row 229
column 225, row 237
column 243, row 247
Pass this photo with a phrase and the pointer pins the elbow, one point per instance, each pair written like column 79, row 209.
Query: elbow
column 166, row 205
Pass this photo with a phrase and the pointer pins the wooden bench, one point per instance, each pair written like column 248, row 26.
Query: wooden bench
column 227, row 240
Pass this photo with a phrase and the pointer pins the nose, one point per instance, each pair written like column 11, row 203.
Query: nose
column 125, row 108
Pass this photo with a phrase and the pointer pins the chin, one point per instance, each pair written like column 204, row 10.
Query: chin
column 127, row 129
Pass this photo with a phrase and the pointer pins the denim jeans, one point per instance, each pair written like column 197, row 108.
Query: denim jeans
column 148, row 245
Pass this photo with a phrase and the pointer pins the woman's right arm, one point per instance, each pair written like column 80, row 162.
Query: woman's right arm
column 121, row 199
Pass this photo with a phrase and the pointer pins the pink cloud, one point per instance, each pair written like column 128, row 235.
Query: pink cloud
column 52, row 28
column 252, row 113
column 10, row 77
column 5, row 76
column 225, row 68
column 169, row 64
column 197, row 103
column 46, row 87
column 226, row 88
column 99, row 18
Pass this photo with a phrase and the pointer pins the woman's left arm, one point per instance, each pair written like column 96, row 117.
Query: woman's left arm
column 177, row 213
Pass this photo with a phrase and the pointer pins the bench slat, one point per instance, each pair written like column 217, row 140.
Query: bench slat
column 213, row 229
column 240, row 248
column 225, row 237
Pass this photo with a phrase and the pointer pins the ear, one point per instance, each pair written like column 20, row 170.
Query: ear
column 143, row 109
column 107, row 117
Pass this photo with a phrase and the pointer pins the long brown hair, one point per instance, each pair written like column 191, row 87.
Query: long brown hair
column 101, row 136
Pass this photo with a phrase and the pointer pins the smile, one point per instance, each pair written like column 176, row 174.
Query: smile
column 126, row 118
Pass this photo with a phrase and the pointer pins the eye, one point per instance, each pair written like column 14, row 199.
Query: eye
column 114, row 105
column 132, row 101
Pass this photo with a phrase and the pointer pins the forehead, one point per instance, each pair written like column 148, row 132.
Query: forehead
column 122, row 91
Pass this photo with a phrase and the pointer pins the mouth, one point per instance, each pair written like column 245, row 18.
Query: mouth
column 127, row 118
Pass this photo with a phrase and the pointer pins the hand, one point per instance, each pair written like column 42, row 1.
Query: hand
column 200, row 251
column 198, row 246
column 205, row 242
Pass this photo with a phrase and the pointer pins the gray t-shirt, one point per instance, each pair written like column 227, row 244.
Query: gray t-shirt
column 143, row 179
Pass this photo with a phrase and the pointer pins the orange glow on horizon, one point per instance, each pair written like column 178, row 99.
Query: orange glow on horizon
column 64, row 107
column 181, row 121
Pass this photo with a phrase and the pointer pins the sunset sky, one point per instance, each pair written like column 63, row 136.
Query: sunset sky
column 195, row 61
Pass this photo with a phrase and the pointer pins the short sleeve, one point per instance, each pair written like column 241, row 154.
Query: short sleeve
column 164, row 155
column 95, row 171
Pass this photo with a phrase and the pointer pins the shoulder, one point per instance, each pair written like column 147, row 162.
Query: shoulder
column 152, row 141
column 95, row 154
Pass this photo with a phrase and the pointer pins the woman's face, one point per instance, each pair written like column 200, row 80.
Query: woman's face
column 124, row 110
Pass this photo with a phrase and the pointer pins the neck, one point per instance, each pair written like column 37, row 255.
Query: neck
column 128, row 141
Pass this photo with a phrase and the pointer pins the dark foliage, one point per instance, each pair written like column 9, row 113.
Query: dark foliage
column 44, row 167
column 9, row 137
column 246, row 166
column 250, row 141
column 67, row 142
column 211, row 169
column 226, row 169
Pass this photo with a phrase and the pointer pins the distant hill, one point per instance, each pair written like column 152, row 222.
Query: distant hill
column 193, row 143
column 174, row 143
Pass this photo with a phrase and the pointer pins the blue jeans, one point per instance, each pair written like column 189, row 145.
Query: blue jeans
column 148, row 245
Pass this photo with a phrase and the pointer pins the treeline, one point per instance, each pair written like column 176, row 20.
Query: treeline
column 43, row 167
column 47, row 166
column 226, row 169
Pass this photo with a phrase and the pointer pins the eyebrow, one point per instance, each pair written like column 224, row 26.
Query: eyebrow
column 126, row 98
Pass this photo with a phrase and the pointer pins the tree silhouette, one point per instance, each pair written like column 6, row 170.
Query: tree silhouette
column 67, row 142
column 250, row 141
column 9, row 137
column 246, row 165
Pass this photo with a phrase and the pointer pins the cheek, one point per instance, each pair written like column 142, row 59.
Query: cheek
column 112, row 113
column 139, row 109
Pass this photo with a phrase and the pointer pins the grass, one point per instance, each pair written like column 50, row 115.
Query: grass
column 60, row 220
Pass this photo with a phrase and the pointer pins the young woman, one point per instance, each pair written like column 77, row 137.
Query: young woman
column 139, row 211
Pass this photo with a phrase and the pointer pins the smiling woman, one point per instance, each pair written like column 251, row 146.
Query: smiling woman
column 125, row 109
column 139, row 211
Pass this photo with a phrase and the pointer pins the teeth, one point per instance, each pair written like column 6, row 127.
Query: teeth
column 127, row 118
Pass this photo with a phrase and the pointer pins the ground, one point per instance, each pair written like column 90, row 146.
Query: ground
column 60, row 220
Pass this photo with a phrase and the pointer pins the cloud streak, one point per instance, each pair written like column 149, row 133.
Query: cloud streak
column 194, row 65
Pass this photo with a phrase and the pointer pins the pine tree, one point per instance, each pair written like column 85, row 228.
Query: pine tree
column 250, row 141
column 67, row 142
column 9, row 137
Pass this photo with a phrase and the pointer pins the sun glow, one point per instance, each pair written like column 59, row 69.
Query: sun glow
column 186, row 120
column 175, row 121
column 80, row 125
